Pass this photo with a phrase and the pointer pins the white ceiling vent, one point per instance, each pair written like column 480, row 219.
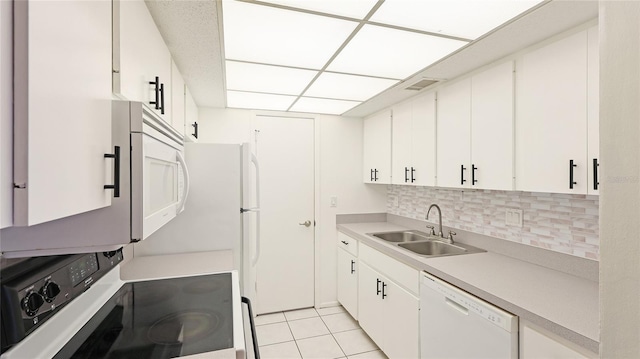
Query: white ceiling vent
column 421, row 84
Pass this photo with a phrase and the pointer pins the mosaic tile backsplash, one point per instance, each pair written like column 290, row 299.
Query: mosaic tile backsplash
column 564, row 223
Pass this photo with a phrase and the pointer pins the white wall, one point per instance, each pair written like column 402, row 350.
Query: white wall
column 6, row 114
column 620, row 191
column 339, row 167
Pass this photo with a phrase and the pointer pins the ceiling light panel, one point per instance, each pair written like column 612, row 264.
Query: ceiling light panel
column 357, row 9
column 265, row 78
column 462, row 18
column 385, row 52
column 321, row 105
column 258, row 101
column 258, row 33
column 348, row 87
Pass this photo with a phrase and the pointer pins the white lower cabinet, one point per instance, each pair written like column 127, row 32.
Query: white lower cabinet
column 348, row 282
column 387, row 312
column 537, row 343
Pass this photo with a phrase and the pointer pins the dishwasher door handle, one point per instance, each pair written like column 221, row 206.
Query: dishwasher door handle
column 456, row 306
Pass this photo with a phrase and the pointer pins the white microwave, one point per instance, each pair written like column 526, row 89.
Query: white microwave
column 159, row 175
column 150, row 188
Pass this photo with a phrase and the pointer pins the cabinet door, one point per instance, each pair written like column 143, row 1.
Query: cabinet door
column 6, row 114
column 191, row 117
column 551, row 115
column 62, row 109
column 177, row 99
column 492, row 128
column 423, row 132
column 593, row 111
column 377, row 148
column 401, row 313
column 348, row 282
column 401, row 144
column 370, row 306
column 454, row 112
column 140, row 55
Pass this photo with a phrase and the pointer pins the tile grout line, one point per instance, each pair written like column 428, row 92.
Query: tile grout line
column 334, row 337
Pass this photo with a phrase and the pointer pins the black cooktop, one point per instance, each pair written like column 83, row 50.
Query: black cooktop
column 165, row 318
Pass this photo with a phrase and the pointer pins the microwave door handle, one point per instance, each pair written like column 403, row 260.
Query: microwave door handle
column 185, row 172
column 254, row 260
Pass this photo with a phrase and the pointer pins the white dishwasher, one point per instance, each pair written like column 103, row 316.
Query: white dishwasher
column 455, row 324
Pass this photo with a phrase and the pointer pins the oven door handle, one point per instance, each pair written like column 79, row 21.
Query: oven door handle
column 185, row 172
column 254, row 338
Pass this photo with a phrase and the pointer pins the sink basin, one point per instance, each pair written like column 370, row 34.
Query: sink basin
column 403, row 236
column 433, row 248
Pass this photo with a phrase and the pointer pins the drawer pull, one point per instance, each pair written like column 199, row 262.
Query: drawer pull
column 345, row 243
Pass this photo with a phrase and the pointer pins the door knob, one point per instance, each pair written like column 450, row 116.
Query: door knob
column 306, row 223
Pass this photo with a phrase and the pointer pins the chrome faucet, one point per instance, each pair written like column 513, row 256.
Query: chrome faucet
column 448, row 240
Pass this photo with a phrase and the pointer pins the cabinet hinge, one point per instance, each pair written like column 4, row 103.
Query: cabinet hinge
column 20, row 185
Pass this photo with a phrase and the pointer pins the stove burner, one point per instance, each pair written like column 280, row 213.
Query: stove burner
column 202, row 286
column 185, row 327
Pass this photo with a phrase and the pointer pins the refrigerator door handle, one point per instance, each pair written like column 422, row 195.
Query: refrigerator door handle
column 254, row 160
column 185, row 172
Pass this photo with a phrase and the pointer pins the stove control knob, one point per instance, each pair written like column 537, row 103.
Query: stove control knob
column 32, row 302
column 50, row 290
column 110, row 254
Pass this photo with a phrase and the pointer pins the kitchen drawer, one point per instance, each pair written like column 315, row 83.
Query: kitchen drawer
column 405, row 276
column 348, row 244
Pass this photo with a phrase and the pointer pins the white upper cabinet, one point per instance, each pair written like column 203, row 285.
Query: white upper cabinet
column 593, row 111
column 62, row 109
column 377, row 148
column 191, row 117
column 177, row 99
column 551, row 117
column 413, row 141
column 492, row 129
column 141, row 59
column 6, row 114
column 454, row 135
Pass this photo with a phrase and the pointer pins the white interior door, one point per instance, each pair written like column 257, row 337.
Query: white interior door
column 285, row 268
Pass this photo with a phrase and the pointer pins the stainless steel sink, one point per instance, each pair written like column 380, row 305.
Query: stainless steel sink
column 424, row 244
column 403, row 236
column 433, row 248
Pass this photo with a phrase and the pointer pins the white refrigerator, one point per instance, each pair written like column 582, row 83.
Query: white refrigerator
column 221, row 211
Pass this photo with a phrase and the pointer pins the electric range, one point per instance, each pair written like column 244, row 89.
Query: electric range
column 187, row 316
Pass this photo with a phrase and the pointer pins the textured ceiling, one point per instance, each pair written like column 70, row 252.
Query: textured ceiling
column 190, row 30
column 192, row 33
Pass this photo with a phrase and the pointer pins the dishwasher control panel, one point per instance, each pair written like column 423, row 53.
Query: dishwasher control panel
column 466, row 301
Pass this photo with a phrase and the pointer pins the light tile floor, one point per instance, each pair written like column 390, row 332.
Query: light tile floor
column 327, row 333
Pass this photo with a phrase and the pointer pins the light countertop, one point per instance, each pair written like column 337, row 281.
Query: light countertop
column 177, row 265
column 559, row 302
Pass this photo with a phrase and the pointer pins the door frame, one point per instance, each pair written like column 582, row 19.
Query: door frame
column 316, row 186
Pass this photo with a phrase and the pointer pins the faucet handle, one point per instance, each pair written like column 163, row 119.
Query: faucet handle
column 433, row 230
column 451, row 234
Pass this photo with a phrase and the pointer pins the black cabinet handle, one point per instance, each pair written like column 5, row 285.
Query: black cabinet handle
column 254, row 338
column 595, row 174
column 162, row 99
column 462, row 180
column 413, row 170
column 353, row 263
column 384, row 285
column 473, row 174
column 156, row 84
column 195, row 129
column 345, row 243
column 372, row 175
column 378, row 291
column 116, row 171
column 571, row 181
column 375, row 175
column 406, row 174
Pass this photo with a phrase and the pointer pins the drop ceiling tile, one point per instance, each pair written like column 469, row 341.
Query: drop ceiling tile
column 258, row 33
column 258, row 101
column 385, row 52
column 350, row 8
column 321, row 105
column 348, row 87
column 266, row 78
column 462, row 18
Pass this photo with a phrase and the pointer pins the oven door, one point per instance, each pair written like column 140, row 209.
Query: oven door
column 161, row 180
